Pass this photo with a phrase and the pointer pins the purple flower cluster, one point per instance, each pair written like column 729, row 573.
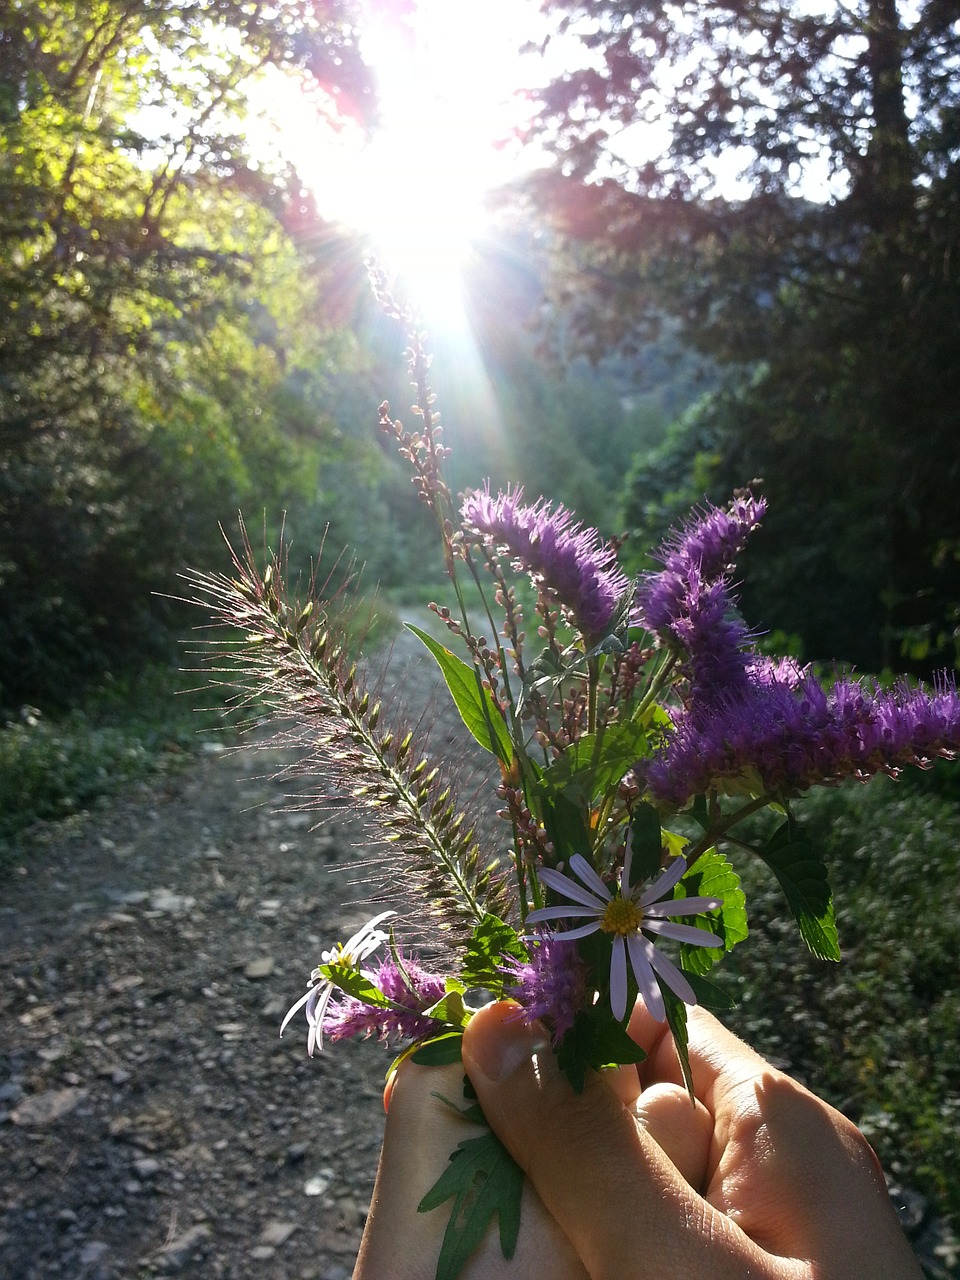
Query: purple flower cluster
column 549, row 986
column 555, row 550
column 691, row 600
column 348, row 1017
column 785, row 732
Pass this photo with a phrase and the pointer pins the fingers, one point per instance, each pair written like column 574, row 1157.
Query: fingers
column 606, row 1181
column 799, row 1177
column 421, row 1134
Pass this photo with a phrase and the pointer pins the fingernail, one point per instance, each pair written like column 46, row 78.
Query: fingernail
column 506, row 1042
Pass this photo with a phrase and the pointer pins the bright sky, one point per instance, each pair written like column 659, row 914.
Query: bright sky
column 448, row 73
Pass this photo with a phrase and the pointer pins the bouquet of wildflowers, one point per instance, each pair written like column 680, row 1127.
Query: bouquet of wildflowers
column 629, row 741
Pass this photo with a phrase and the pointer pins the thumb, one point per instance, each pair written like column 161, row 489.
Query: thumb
column 607, row 1183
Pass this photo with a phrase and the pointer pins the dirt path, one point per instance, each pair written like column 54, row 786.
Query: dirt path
column 152, row 1120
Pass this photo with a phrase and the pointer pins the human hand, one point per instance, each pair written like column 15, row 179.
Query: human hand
column 761, row 1179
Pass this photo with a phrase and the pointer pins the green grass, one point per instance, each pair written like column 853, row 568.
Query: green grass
column 54, row 766
column 879, row 1034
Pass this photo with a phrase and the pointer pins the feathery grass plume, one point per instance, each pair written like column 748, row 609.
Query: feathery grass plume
column 290, row 668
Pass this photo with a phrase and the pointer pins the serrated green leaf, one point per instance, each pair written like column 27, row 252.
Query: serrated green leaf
column 484, row 1181
column 475, row 703
column 490, row 941
column 712, row 876
column 803, row 878
column 353, row 983
column 439, row 1052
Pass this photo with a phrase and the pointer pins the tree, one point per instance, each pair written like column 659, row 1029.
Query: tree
column 155, row 314
column 782, row 180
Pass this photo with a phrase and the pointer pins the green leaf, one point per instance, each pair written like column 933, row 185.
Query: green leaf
column 646, row 843
column 439, row 1052
column 712, row 876
column 475, row 703
column 803, row 879
column 596, row 1040
column 565, row 825
column 594, row 764
column 490, row 941
column 709, row 995
column 353, row 983
column 676, row 1012
column 450, row 1008
column 484, row 1181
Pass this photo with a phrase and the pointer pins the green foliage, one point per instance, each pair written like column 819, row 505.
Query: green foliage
column 878, row 1035
column 475, row 703
column 484, row 1182
column 835, row 319
column 54, row 767
column 160, row 334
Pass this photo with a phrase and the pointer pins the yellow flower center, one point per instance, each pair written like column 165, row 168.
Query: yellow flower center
column 622, row 916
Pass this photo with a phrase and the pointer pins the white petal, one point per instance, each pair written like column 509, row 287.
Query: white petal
column 682, row 907
column 582, row 868
column 627, row 864
column 640, row 952
column 568, row 935
column 664, row 882
column 672, row 976
column 562, row 912
column 683, row 933
column 618, row 979
column 294, row 1009
column 560, row 883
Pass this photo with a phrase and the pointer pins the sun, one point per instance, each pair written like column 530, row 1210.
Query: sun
column 447, row 73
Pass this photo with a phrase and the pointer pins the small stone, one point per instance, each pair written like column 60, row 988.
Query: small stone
column 146, row 1167
column 180, row 1250
column 44, row 1108
column 169, row 903
column 319, row 1183
column 258, row 969
column 93, row 1251
column 262, row 1252
column 277, row 1233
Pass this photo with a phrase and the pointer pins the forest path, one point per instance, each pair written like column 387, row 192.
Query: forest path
column 153, row 1121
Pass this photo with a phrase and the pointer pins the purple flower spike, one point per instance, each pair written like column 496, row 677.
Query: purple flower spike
column 690, row 598
column 549, row 986
column 555, row 550
column 347, row 1017
column 784, row 732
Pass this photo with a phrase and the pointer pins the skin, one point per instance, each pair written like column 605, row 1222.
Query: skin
column 761, row 1180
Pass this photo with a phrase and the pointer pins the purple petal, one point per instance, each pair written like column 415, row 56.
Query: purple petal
column 681, row 907
column 583, row 870
column 571, row 909
column 683, row 933
column 641, row 952
column 560, row 883
column 618, row 979
column 568, row 935
column 672, row 976
column 664, row 882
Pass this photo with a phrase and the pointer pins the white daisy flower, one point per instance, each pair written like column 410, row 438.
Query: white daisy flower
column 629, row 914
column 363, row 943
